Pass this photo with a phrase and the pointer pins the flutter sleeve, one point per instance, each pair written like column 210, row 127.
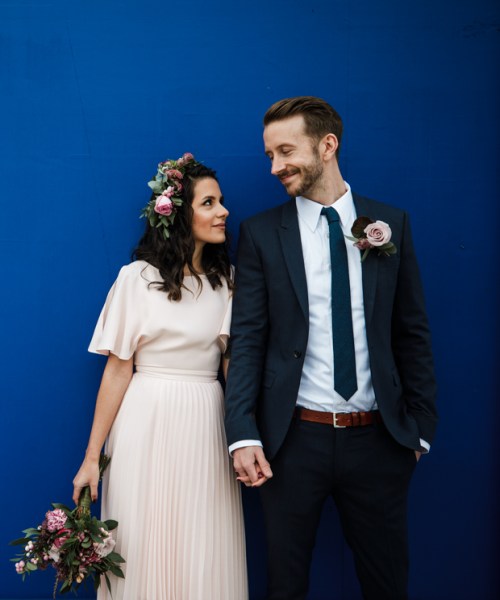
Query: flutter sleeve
column 118, row 328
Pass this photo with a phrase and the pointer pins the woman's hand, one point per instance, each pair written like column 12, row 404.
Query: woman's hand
column 87, row 475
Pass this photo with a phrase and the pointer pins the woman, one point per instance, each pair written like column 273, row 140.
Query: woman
column 164, row 326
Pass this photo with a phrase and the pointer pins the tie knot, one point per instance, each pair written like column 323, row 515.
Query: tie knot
column 331, row 214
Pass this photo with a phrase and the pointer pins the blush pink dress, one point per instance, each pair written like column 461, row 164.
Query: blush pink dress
column 170, row 484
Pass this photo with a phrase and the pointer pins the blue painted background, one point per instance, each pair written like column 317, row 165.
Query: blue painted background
column 94, row 93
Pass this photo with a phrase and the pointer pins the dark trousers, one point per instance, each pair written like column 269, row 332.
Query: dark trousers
column 367, row 474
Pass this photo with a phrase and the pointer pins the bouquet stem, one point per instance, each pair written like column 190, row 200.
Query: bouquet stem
column 85, row 500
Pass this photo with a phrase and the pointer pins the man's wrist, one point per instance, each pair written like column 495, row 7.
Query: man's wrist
column 244, row 444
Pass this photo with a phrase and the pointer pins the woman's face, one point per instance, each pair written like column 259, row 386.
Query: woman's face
column 209, row 214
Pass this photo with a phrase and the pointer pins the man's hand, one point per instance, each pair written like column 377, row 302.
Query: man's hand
column 251, row 466
column 418, row 455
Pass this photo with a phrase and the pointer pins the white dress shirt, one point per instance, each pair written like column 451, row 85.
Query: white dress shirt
column 316, row 389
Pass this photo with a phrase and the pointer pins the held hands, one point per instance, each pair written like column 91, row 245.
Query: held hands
column 87, row 475
column 251, row 466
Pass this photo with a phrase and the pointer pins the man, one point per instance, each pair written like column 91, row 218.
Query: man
column 331, row 377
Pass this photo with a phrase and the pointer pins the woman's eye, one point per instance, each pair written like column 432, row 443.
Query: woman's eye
column 208, row 202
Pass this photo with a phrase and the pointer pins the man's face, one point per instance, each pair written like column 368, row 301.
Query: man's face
column 294, row 156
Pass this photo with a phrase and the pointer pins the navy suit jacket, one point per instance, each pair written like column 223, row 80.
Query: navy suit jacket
column 270, row 326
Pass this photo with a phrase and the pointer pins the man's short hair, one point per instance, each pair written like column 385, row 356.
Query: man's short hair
column 320, row 118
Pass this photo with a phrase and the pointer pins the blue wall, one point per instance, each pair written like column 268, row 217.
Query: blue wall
column 93, row 94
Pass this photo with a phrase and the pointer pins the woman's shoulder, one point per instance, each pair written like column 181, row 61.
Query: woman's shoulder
column 138, row 270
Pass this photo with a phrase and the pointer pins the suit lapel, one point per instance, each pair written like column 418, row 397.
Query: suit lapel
column 291, row 244
column 369, row 266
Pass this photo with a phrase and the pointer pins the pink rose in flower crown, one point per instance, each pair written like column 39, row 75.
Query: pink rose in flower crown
column 56, row 519
column 378, row 233
column 186, row 157
column 164, row 204
column 175, row 173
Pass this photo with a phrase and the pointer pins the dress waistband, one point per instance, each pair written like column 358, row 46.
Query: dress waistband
column 176, row 374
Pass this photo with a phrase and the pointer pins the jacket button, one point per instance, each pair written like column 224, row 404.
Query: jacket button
column 297, row 354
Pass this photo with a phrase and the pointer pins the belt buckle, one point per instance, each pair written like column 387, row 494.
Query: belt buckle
column 335, row 424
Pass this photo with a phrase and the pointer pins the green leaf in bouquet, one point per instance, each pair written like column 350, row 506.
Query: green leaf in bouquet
column 110, row 524
column 115, row 557
column 59, row 505
column 19, row 542
column 31, row 567
column 31, row 531
column 108, row 583
column 65, row 588
column 116, row 571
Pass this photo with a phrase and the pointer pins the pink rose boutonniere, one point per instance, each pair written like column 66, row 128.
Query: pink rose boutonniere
column 368, row 234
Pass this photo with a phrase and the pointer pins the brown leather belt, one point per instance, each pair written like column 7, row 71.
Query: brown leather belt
column 339, row 420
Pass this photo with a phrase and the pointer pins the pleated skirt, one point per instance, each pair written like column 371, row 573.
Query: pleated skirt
column 172, row 490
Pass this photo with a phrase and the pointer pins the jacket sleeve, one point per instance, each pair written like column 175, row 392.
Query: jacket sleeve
column 411, row 341
column 249, row 332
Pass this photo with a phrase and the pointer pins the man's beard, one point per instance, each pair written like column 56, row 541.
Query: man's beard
column 310, row 176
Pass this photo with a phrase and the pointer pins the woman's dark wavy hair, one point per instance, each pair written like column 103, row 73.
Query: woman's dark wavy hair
column 171, row 255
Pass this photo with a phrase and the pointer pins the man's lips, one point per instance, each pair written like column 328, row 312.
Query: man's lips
column 284, row 177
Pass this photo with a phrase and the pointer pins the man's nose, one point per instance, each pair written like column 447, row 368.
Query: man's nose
column 277, row 166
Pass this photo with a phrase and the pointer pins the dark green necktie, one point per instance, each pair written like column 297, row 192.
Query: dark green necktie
column 345, row 382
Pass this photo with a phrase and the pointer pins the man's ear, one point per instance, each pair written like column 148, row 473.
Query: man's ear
column 328, row 147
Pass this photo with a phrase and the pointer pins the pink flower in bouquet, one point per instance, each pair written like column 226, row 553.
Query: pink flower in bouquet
column 54, row 554
column 65, row 540
column 378, row 233
column 56, row 519
column 60, row 539
column 20, row 566
column 164, row 204
column 106, row 546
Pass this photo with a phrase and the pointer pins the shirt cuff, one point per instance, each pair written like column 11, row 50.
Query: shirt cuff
column 425, row 446
column 244, row 444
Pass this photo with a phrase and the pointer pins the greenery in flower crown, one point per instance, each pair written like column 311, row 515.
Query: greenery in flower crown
column 167, row 187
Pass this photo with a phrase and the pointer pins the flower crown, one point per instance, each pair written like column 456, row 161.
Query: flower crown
column 167, row 187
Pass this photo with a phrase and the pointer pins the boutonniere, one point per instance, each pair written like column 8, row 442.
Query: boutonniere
column 370, row 234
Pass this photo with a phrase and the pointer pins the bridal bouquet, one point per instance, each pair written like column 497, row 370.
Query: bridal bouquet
column 76, row 544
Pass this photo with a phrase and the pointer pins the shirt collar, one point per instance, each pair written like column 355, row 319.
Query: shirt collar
column 310, row 211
